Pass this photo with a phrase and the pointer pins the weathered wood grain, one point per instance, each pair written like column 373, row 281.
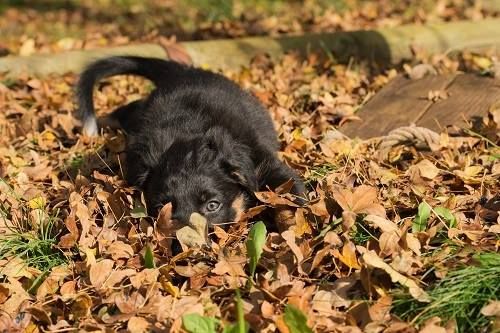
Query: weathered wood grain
column 400, row 103
column 469, row 96
column 404, row 102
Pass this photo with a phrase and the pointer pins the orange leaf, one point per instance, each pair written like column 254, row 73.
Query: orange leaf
column 348, row 256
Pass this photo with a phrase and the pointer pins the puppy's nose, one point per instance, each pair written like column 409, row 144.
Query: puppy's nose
column 181, row 216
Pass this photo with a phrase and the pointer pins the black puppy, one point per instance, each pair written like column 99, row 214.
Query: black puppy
column 198, row 141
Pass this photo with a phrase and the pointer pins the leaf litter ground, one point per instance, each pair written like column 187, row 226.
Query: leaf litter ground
column 402, row 239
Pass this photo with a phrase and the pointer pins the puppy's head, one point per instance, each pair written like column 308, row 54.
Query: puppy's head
column 208, row 174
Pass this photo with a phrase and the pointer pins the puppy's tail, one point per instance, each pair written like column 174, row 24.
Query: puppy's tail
column 150, row 68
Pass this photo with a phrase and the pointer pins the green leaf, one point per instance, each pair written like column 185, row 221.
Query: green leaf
column 241, row 325
column 255, row 244
column 232, row 328
column 194, row 323
column 295, row 320
column 420, row 221
column 446, row 215
column 149, row 259
column 138, row 212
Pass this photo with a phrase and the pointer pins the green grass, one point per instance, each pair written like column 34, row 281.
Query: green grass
column 36, row 246
column 319, row 172
column 459, row 296
column 76, row 162
column 361, row 232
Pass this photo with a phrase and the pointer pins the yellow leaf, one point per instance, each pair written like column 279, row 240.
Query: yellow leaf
column 37, row 202
column 169, row 287
column 31, row 328
column 48, row 136
column 90, row 255
column 297, row 134
column 301, row 226
column 482, row 62
column 27, row 48
column 473, row 170
column 348, row 256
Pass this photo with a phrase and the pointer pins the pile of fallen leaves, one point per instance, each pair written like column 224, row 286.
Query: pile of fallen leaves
column 383, row 230
column 46, row 26
column 398, row 238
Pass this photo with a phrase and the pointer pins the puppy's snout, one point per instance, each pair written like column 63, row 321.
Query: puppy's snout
column 182, row 216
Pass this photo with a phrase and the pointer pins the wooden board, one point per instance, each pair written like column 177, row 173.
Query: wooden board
column 403, row 102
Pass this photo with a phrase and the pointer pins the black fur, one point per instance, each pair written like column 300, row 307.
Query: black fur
column 198, row 137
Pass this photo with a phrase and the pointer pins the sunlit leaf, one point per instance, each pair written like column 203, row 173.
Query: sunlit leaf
column 195, row 323
column 255, row 244
column 447, row 215
column 149, row 261
column 420, row 221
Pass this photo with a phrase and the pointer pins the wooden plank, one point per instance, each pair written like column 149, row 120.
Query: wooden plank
column 400, row 103
column 469, row 96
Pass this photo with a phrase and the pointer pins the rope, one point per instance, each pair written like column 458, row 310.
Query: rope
column 420, row 137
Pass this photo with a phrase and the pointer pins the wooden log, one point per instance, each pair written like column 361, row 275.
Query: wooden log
column 71, row 61
column 491, row 5
column 383, row 46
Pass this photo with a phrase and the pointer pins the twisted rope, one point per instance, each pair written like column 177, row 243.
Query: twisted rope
column 420, row 137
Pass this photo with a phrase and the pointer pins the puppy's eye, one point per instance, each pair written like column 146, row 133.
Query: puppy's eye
column 213, row 206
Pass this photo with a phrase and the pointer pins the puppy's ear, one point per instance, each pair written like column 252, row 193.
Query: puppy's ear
column 242, row 171
column 235, row 158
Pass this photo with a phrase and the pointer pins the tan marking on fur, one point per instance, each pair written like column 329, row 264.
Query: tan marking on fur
column 239, row 207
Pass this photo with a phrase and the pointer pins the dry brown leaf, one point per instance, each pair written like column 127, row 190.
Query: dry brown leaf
column 491, row 309
column 129, row 303
column 232, row 266
column 273, row 199
column 120, row 250
column 147, row 276
column 68, row 289
column 372, row 259
column 17, row 296
column 388, row 242
column 100, row 272
column 381, row 309
column 138, row 325
column 195, row 235
column 412, row 242
column 362, row 200
column 322, row 302
column 382, row 223
column 432, row 326
column 81, row 306
column 289, row 237
column 427, row 169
